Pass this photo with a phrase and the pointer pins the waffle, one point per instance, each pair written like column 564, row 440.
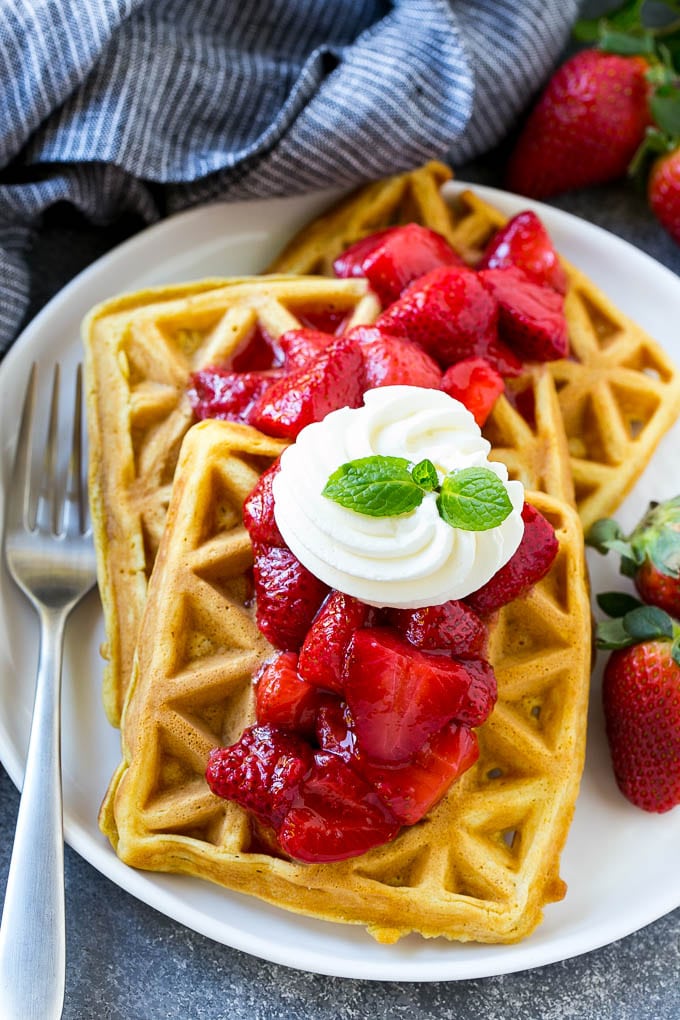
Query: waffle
column 480, row 866
column 139, row 352
column 618, row 391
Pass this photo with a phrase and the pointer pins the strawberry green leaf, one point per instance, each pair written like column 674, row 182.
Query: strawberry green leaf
column 664, row 105
column 647, row 623
column 611, row 634
column 474, row 499
column 675, row 651
column 626, row 44
column 424, row 474
column 617, row 603
column 375, row 486
column 602, row 532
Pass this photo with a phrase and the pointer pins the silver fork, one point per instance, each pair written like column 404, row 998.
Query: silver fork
column 49, row 552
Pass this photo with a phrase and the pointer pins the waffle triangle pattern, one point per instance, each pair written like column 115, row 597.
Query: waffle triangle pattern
column 140, row 350
column 618, row 392
column 481, row 866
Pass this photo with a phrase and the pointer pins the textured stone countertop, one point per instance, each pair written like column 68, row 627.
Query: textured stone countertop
column 127, row 961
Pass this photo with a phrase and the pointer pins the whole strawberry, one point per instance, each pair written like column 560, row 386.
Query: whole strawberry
column 641, row 701
column 586, row 126
column 663, row 191
column 650, row 555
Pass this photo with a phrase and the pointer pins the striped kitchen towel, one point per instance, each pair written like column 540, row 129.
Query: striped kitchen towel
column 153, row 105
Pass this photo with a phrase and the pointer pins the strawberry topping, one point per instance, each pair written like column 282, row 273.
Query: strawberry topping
column 531, row 319
column 452, row 625
column 283, row 698
column 258, row 510
column 323, row 652
column 476, row 384
column 394, row 361
column 229, row 396
column 525, row 243
column 287, row 596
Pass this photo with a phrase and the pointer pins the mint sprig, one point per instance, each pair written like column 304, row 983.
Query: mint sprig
column 472, row 499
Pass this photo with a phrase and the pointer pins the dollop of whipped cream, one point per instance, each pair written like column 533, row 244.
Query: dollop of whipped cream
column 406, row 561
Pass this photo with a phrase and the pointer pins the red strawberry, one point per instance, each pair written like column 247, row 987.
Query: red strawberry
column 451, row 625
column 394, row 361
column 336, row 814
column 333, row 379
column 650, row 554
column 641, row 698
column 258, row 510
column 261, row 771
column 663, row 191
column 531, row 319
column 585, row 127
column 229, row 396
column 524, row 242
column 476, row 384
column 482, row 693
column 300, row 346
column 283, row 699
column 287, row 596
column 398, row 695
column 408, row 788
column 531, row 561
column 394, row 257
column 259, row 352
column 322, row 656
column 452, row 316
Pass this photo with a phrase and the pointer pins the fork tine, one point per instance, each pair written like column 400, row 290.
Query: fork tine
column 46, row 518
column 19, row 493
column 75, row 509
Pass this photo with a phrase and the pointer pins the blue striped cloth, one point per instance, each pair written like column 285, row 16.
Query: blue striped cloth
column 153, row 105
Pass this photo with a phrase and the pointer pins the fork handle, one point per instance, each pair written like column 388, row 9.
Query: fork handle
column 32, row 934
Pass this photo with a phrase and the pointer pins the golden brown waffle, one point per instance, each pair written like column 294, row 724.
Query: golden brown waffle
column 140, row 351
column 480, row 866
column 618, row 392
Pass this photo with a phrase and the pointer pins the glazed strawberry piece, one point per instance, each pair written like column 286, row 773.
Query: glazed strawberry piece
column 261, row 772
column 482, row 693
column 525, row 243
column 392, row 258
column 324, row 649
column 259, row 353
column 336, row 814
column 287, row 596
column 398, row 695
column 452, row 316
column 227, row 395
column 300, row 346
column 476, row 383
column 411, row 788
column 453, row 625
column 394, row 361
column 531, row 319
column 283, row 699
column 331, row 380
column 530, row 562
column 258, row 510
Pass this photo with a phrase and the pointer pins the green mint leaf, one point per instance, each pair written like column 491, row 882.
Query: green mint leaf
column 424, row 474
column 375, row 486
column 647, row 622
column 611, row 634
column 474, row 499
column 617, row 603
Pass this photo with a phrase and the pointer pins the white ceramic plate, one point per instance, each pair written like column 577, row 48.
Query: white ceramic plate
column 620, row 864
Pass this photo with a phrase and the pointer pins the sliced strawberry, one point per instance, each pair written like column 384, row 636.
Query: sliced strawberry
column 451, row 625
column 481, row 695
column 398, row 695
column 333, row 379
column 394, row 257
column 336, row 815
column 229, row 396
column 394, row 361
column 476, row 384
column 283, row 699
column 323, row 652
column 259, row 353
column 524, row 242
column 261, row 771
column 410, row 789
column 258, row 510
column 532, row 318
column 287, row 596
column 526, row 566
column 300, row 346
column 452, row 316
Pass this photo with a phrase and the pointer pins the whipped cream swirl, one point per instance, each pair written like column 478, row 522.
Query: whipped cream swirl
column 407, row 561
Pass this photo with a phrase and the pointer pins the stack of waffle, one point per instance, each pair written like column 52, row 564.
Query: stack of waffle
column 182, row 644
